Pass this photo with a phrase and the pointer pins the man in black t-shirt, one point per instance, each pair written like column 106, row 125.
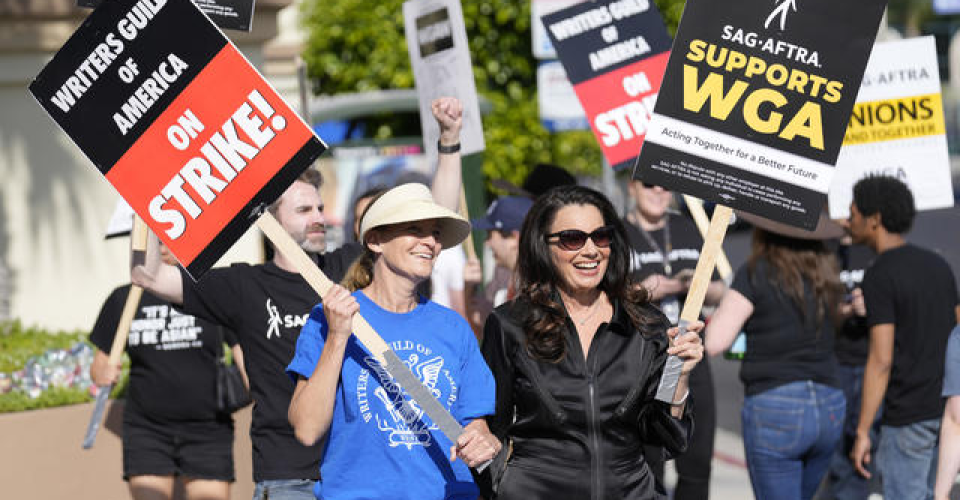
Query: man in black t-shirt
column 267, row 304
column 666, row 248
column 912, row 305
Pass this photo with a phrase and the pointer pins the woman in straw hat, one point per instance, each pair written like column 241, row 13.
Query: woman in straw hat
column 379, row 443
column 578, row 358
column 785, row 300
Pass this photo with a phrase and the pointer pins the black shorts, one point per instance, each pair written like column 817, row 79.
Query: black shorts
column 201, row 450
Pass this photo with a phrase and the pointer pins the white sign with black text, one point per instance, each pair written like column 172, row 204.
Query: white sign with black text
column 897, row 127
column 440, row 56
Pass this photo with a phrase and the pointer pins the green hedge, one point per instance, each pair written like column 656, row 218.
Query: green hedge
column 18, row 343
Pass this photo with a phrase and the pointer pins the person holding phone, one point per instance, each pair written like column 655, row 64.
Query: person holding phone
column 666, row 247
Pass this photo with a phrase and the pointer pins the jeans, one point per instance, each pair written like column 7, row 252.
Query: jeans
column 843, row 481
column 285, row 489
column 789, row 435
column 907, row 458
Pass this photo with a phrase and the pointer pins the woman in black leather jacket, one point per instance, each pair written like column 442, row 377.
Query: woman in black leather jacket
column 578, row 358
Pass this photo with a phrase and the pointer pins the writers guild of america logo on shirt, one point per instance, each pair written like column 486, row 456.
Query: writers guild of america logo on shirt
column 275, row 321
column 388, row 406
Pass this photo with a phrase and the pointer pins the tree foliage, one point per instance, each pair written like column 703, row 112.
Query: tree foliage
column 359, row 45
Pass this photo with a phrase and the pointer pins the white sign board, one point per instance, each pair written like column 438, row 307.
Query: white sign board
column 542, row 48
column 946, row 7
column 897, row 127
column 121, row 221
column 437, row 43
column 560, row 108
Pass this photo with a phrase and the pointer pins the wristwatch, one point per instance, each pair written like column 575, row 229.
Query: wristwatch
column 448, row 150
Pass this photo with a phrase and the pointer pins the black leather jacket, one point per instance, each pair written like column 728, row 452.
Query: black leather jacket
column 576, row 427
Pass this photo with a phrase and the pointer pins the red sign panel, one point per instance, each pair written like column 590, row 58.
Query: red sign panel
column 189, row 133
column 615, row 53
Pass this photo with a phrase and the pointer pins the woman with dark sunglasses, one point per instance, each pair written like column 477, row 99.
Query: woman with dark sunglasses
column 578, row 358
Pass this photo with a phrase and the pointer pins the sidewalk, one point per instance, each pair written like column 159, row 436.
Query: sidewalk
column 729, row 479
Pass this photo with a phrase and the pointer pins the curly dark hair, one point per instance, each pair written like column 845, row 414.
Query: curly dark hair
column 545, row 315
column 887, row 196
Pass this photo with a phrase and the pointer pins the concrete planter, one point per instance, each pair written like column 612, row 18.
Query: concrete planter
column 41, row 458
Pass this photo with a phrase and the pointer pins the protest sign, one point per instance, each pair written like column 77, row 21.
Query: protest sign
column 557, row 101
column 138, row 245
column 897, row 127
column 440, row 56
column 187, row 131
column 755, row 101
column 542, row 47
column 199, row 148
column 227, row 14
column 121, row 220
column 614, row 53
column 946, row 7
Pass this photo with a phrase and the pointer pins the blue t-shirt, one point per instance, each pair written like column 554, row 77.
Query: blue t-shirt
column 372, row 452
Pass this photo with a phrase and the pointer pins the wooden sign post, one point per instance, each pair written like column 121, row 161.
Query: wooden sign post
column 365, row 333
column 712, row 248
column 138, row 245
column 695, row 205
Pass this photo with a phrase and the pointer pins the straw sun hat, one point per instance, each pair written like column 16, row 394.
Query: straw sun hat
column 413, row 202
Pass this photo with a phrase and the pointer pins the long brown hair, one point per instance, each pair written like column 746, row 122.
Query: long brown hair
column 795, row 264
column 545, row 316
column 360, row 273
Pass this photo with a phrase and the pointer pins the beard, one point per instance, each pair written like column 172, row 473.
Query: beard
column 315, row 243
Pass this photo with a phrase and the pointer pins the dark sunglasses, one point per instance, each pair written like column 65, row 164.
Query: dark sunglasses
column 575, row 239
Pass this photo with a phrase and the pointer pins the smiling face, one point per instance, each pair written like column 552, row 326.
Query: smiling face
column 652, row 201
column 407, row 249
column 583, row 269
column 300, row 212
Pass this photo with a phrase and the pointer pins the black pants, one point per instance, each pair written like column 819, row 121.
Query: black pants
column 693, row 467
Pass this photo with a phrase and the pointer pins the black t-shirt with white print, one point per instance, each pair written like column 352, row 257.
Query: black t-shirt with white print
column 173, row 357
column 266, row 307
column 685, row 245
